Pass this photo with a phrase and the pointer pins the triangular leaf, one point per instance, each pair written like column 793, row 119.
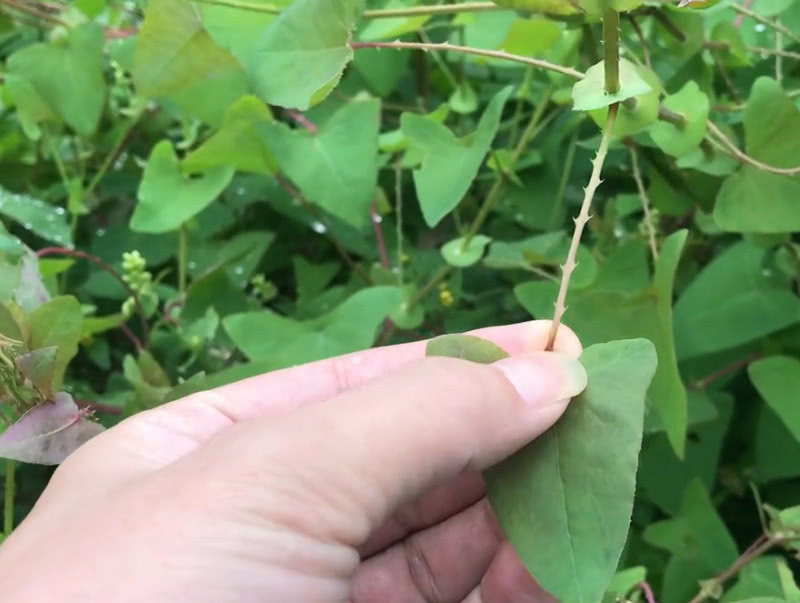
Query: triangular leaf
column 449, row 164
column 337, row 166
column 167, row 198
column 302, row 54
column 48, row 433
column 573, row 487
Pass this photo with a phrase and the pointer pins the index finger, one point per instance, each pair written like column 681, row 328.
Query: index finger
column 289, row 388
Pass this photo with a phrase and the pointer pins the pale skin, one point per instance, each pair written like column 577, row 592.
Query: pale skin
column 350, row 480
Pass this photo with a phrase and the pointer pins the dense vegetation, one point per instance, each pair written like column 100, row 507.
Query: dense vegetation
column 196, row 192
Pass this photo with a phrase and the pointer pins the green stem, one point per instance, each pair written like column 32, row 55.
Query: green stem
column 499, row 184
column 183, row 245
column 569, row 160
column 763, row 20
column 8, row 499
column 611, row 50
column 414, row 11
column 398, row 204
column 580, row 222
column 111, row 156
column 495, row 54
column 439, row 276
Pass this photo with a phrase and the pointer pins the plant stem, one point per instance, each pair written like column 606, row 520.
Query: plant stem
column 495, row 54
column 438, row 276
column 8, row 498
column 730, row 148
column 566, row 172
column 499, row 184
column 580, row 222
column 112, row 155
column 45, row 251
column 398, row 204
column 763, row 20
column 414, row 11
column 761, row 546
column 648, row 217
column 611, row 50
column 183, row 245
column 286, row 186
column 34, row 12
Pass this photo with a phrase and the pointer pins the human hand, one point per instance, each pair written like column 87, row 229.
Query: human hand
column 350, row 479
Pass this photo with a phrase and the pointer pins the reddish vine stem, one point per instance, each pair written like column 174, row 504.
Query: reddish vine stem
column 723, row 372
column 287, row 186
column 45, row 251
column 580, row 222
column 647, row 591
column 302, row 120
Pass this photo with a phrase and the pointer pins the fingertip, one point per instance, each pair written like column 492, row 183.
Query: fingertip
column 544, row 376
column 538, row 331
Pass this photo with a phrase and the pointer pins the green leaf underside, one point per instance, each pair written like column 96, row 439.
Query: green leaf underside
column 599, row 315
column 589, row 93
column 449, row 164
column 467, row 347
column 573, row 487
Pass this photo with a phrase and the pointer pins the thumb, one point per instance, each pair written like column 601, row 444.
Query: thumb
column 346, row 464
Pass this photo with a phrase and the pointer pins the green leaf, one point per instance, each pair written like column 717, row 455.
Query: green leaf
column 758, row 578
column 56, row 323
column 699, row 540
column 545, row 250
column 301, row 55
column 598, row 316
column 467, row 347
column 638, row 117
column 336, row 167
column 238, row 30
column 776, row 142
column 234, row 144
column 62, row 78
column 455, row 254
column 281, row 341
column 731, row 302
column 176, row 58
column 572, row 488
column 40, row 218
column 663, row 476
column 38, row 366
column 589, row 93
column 777, row 380
column 167, row 198
column 449, row 164
column 392, row 27
column 691, row 104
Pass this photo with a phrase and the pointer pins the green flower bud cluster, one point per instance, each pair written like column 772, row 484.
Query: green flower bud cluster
column 263, row 289
column 137, row 277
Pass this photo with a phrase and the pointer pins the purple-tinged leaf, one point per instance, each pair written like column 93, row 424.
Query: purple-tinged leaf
column 49, row 433
column 38, row 367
